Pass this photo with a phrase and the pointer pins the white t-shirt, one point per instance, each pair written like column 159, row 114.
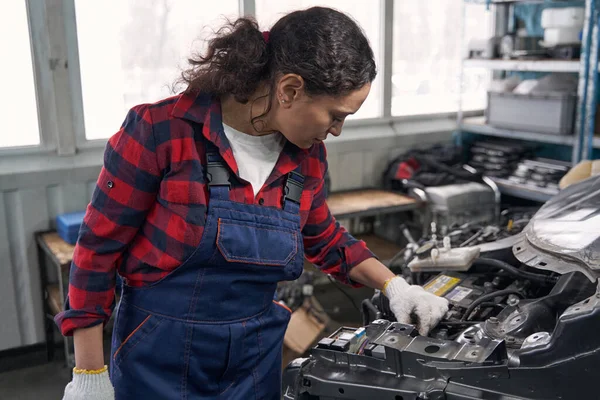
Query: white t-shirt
column 255, row 156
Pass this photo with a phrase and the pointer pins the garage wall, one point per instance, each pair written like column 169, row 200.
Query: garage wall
column 36, row 188
column 359, row 158
column 23, row 211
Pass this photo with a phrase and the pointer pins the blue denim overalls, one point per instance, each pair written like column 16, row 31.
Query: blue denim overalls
column 210, row 329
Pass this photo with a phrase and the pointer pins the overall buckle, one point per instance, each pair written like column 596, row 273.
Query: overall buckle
column 293, row 187
column 217, row 173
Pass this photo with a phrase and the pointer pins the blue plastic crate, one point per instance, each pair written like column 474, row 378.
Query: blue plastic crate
column 68, row 225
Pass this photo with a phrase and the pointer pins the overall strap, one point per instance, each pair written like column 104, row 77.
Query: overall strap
column 217, row 174
column 292, row 191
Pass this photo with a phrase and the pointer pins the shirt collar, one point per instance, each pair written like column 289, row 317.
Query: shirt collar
column 205, row 109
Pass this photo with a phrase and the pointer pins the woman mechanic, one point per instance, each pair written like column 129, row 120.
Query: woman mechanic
column 209, row 198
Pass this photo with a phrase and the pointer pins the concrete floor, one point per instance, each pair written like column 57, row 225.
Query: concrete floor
column 41, row 382
column 37, row 379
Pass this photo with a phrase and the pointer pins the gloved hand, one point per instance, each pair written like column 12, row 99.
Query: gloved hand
column 90, row 386
column 408, row 301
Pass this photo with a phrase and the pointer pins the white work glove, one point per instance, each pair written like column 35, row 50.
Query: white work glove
column 85, row 386
column 408, row 301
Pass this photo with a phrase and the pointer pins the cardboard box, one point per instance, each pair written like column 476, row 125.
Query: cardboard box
column 305, row 328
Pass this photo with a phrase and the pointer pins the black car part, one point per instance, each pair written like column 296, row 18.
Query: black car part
column 519, row 332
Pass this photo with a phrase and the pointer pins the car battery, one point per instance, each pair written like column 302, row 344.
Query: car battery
column 459, row 289
column 68, row 225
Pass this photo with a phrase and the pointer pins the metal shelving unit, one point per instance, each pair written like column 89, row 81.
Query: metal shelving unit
column 524, row 191
column 478, row 125
column 525, row 65
column 582, row 141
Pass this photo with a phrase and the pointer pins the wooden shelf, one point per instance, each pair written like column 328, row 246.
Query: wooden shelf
column 57, row 248
column 370, row 202
column 478, row 125
column 55, row 303
column 525, row 65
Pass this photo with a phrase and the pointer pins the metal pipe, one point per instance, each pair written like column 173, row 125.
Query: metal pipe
column 497, row 194
column 387, row 30
column 582, row 85
column 459, row 115
column 592, row 79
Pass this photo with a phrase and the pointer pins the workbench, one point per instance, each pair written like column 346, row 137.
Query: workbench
column 368, row 203
column 53, row 248
column 55, row 253
column 357, row 204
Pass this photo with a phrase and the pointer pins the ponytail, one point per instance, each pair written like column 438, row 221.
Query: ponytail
column 235, row 63
column 327, row 48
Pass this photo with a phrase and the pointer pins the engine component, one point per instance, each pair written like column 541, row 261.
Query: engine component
column 512, row 332
column 462, row 203
column 512, row 354
column 293, row 294
column 459, row 290
column 459, row 259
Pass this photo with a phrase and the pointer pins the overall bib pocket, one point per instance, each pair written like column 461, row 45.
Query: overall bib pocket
column 238, row 241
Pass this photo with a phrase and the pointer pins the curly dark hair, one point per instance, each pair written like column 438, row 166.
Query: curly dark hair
column 325, row 47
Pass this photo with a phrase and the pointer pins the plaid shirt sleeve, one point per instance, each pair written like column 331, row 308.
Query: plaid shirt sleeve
column 327, row 244
column 125, row 191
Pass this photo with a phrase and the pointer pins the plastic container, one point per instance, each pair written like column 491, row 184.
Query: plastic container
column 568, row 17
column 68, row 225
column 458, row 259
column 551, row 113
column 561, row 36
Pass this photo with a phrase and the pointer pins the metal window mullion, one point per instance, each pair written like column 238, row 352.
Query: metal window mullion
column 65, row 134
column 247, row 8
column 44, row 86
column 387, row 34
column 592, row 82
column 461, row 74
column 72, row 52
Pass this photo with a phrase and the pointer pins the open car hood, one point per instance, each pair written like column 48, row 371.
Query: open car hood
column 564, row 235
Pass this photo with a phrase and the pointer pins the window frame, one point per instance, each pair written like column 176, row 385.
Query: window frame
column 53, row 39
column 72, row 46
column 45, row 96
column 460, row 112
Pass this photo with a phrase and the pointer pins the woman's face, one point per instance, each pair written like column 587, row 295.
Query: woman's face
column 306, row 120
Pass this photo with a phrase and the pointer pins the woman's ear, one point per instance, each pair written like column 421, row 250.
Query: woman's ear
column 290, row 89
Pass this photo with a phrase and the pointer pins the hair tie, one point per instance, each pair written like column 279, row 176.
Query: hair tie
column 266, row 35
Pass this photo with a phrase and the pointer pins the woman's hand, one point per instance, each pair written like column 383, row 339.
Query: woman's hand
column 411, row 304
column 90, row 385
column 90, row 377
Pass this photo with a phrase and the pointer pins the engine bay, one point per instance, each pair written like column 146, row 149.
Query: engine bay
column 522, row 322
column 495, row 300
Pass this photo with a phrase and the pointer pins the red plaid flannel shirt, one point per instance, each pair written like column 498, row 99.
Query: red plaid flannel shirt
column 149, row 207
